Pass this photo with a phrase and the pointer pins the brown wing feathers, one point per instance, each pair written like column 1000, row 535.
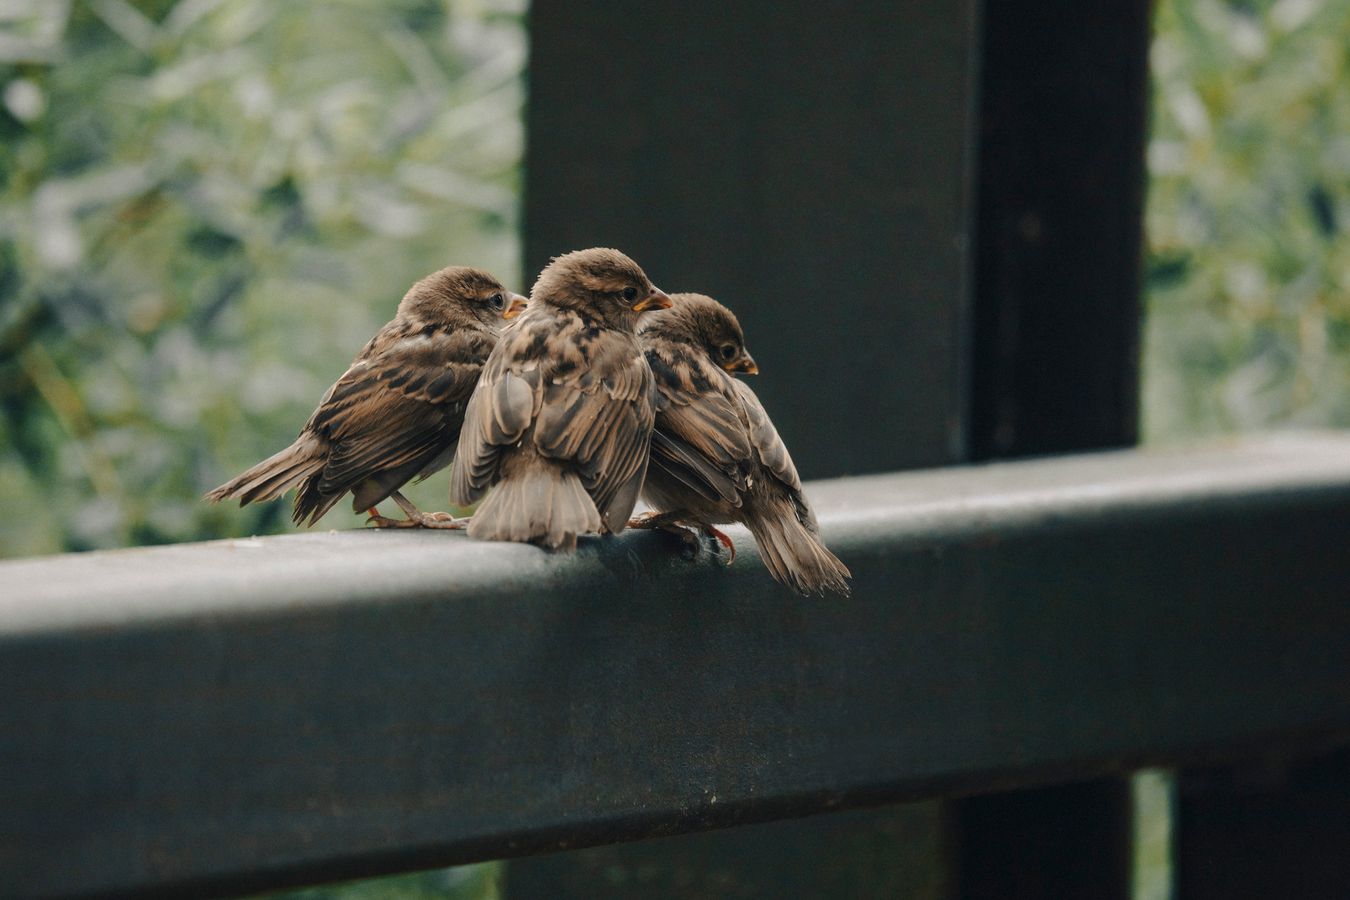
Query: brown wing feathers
column 716, row 456
column 568, row 408
column 562, row 419
column 395, row 414
column 570, row 415
column 275, row 475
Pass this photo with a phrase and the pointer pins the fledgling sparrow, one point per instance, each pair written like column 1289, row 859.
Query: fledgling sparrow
column 716, row 457
column 396, row 413
column 562, row 417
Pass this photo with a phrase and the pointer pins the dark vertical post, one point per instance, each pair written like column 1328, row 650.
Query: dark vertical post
column 834, row 173
column 1265, row 830
column 1065, row 841
column 1063, row 122
column 809, row 166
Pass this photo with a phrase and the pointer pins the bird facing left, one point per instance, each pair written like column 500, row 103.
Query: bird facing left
column 396, row 413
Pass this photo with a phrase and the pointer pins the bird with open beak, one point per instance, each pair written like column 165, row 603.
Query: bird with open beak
column 561, row 420
column 716, row 457
column 396, row 413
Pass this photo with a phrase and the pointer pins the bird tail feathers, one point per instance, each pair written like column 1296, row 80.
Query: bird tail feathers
column 795, row 556
column 275, row 475
column 537, row 503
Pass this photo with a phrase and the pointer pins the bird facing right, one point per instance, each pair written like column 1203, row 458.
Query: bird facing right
column 396, row 413
column 715, row 456
column 562, row 416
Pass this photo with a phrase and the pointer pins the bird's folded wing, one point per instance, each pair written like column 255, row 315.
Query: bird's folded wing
column 686, row 465
column 702, row 437
column 773, row 453
column 394, row 407
column 498, row 413
column 412, row 432
column 600, row 418
column 437, row 369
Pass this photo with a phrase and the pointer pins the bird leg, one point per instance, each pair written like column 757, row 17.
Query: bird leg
column 427, row 520
column 669, row 523
column 655, row 520
column 415, row 517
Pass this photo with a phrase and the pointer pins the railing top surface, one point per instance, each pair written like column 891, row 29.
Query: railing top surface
column 244, row 714
column 321, row 568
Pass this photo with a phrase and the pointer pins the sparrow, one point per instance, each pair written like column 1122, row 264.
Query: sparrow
column 561, row 420
column 396, row 413
column 715, row 455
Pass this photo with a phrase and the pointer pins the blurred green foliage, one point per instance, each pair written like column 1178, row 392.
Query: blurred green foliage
column 1248, row 218
column 482, row 882
column 206, row 208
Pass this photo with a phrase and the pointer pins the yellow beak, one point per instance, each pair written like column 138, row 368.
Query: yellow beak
column 514, row 307
column 745, row 365
column 657, row 299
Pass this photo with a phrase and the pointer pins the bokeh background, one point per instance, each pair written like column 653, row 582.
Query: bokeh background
column 1247, row 320
column 207, row 207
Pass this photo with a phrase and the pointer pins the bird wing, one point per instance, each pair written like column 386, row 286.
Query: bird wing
column 773, row 453
column 701, row 436
column 599, row 416
column 501, row 409
column 399, row 402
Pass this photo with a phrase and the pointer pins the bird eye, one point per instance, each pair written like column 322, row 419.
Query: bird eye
column 629, row 294
column 497, row 301
column 728, row 352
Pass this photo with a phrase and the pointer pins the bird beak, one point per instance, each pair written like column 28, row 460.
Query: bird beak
column 745, row 365
column 515, row 307
column 657, row 299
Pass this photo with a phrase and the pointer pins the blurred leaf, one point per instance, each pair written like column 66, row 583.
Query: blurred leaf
column 1247, row 262
column 206, row 209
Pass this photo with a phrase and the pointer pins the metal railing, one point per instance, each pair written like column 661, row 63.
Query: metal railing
column 255, row 713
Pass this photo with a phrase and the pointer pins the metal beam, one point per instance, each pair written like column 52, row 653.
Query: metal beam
column 1265, row 828
column 215, row 717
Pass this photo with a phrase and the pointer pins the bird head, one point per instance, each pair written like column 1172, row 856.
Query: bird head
column 602, row 283
column 461, row 296
column 702, row 322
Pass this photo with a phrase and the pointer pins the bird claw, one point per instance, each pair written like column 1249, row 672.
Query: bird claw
column 723, row 539
column 421, row 520
column 442, row 520
column 415, row 517
column 384, row 522
column 690, row 545
column 646, row 520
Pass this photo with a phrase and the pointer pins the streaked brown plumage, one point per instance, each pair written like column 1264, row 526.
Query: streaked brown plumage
column 396, row 413
column 562, row 417
column 715, row 455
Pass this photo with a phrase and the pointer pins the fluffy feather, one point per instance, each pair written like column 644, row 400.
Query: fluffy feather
column 716, row 456
column 563, row 414
column 395, row 414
